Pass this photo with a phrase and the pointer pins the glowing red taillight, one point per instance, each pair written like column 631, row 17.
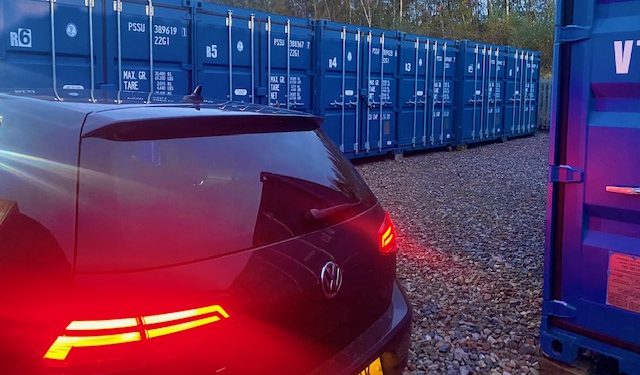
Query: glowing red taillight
column 90, row 333
column 387, row 236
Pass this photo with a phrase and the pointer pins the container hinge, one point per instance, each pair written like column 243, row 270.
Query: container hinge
column 149, row 10
column 573, row 33
column 89, row 3
column 117, row 5
column 565, row 174
column 559, row 309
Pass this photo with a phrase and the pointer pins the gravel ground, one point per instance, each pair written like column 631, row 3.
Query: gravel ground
column 471, row 235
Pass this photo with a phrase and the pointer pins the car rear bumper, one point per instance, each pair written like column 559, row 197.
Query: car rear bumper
column 387, row 338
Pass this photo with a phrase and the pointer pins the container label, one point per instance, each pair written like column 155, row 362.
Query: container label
column 278, row 83
column 442, row 91
column 131, row 79
column 385, row 89
column 72, row 30
column 622, row 52
column 21, row 38
column 211, row 51
column 164, row 82
column 623, row 284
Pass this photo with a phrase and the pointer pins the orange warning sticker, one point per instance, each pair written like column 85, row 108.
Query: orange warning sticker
column 623, row 286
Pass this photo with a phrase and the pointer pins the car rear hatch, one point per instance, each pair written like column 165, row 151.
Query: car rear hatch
column 238, row 213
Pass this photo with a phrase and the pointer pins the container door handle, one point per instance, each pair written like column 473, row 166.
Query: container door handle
column 482, row 89
column 54, row 73
column 253, row 69
column 382, row 100
column 356, row 145
column 433, row 95
column 625, row 190
column 288, row 32
column 152, row 83
column 90, row 5
column 495, row 92
column 444, row 79
column 230, row 47
column 343, row 36
column 415, row 90
column 426, row 92
column 268, row 26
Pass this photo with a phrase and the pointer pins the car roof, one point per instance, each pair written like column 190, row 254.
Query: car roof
column 86, row 101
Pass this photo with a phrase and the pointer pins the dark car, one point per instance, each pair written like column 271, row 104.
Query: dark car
column 189, row 238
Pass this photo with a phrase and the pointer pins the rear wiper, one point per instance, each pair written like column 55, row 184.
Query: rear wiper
column 323, row 213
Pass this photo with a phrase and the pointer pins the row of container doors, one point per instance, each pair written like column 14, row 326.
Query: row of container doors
column 378, row 90
column 499, row 91
column 141, row 47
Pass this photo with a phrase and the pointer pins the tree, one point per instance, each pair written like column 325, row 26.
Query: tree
column 520, row 23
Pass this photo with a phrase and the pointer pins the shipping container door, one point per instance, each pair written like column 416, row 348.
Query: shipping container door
column 337, row 81
column 286, row 62
column 531, row 93
column 379, row 69
column 481, row 106
column 593, row 277
column 517, row 75
column 225, row 52
column 495, row 92
column 413, row 102
column 148, row 48
column 51, row 45
column 445, row 55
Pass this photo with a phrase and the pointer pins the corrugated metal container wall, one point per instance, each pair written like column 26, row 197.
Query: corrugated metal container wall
column 522, row 80
column 286, row 62
column 148, row 47
column 379, row 87
column 481, row 92
column 226, row 52
column 337, row 78
column 50, row 45
column 591, row 295
column 426, row 92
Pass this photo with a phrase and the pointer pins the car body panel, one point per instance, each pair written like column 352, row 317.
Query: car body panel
column 276, row 314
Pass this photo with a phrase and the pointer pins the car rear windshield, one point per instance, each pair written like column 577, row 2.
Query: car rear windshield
column 152, row 203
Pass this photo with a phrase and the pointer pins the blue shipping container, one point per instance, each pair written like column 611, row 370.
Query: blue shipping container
column 426, row 93
column 481, row 92
column 523, row 76
column 286, row 63
column 379, row 87
column 148, row 48
column 591, row 297
column 337, row 79
column 226, row 52
column 380, row 91
column 51, row 45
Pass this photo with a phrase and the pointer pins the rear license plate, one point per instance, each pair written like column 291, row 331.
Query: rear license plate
column 375, row 368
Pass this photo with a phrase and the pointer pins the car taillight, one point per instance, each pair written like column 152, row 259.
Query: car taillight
column 91, row 333
column 387, row 236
